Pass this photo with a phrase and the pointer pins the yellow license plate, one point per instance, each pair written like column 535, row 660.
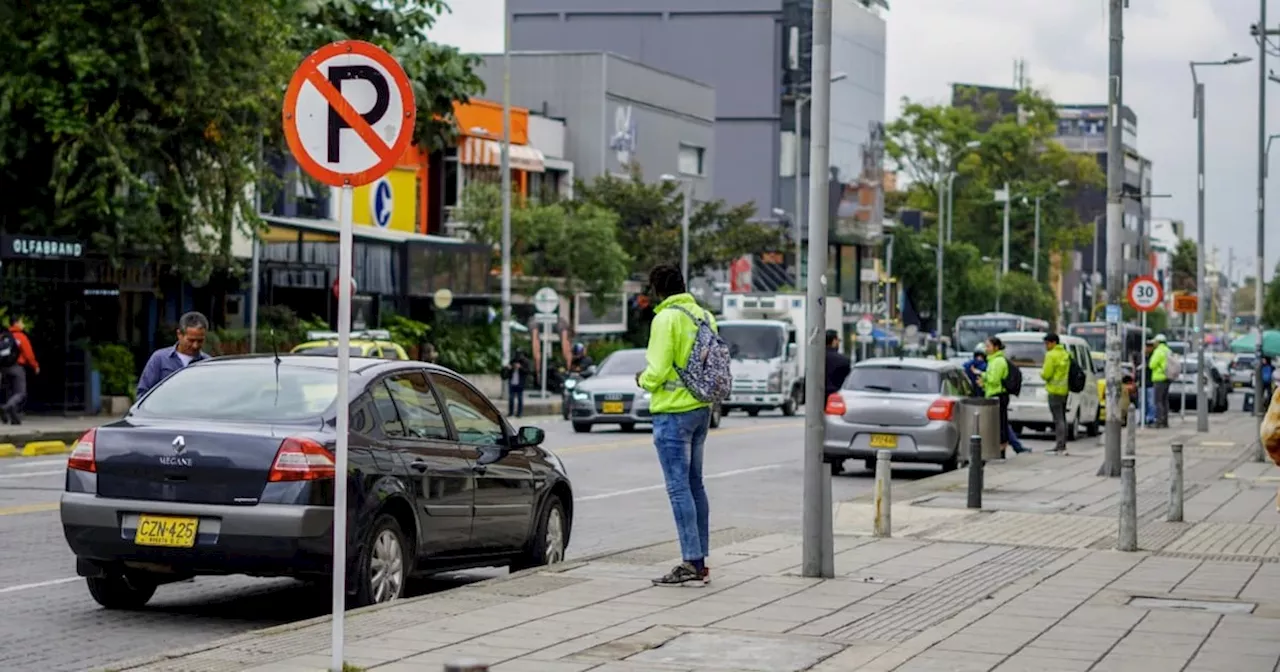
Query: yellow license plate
column 611, row 407
column 884, row 440
column 166, row 531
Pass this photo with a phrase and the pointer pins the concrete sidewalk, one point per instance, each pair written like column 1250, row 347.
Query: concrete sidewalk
column 1029, row 584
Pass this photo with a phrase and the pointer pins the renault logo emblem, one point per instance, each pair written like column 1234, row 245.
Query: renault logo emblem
column 179, row 444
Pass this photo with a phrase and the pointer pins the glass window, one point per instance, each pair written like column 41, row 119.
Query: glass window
column 753, row 342
column 690, row 160
column 1025, row 354
column 245, row 390
column 330, row 351
column 893, row 379
column 417, row 407
column 362, row 415
column 623, row 363
column 473, row 416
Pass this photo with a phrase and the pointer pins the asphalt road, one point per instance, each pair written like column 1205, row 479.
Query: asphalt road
column 48, row 621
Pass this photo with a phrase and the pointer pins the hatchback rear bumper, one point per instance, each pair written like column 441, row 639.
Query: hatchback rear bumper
column 934, row 442
column 260, row 540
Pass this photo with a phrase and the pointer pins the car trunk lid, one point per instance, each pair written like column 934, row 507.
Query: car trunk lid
column 186, row 461
column 887, row 409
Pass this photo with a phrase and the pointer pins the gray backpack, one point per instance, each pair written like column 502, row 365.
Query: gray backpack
column 706, row 375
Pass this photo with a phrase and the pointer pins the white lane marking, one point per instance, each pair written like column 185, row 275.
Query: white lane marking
column 41, row 584
column 31, row 464
column 705, row 477
column 29, row 474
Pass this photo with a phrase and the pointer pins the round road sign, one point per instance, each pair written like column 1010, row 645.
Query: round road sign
column 348, row 113
column 864, row 327
column 546, row 300
column 336, row 288
column 443, row 298
column 1145, row 294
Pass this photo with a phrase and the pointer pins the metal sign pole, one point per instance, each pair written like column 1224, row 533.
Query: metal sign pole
column 339, row 587
column 1142, row 391
column 546, row 352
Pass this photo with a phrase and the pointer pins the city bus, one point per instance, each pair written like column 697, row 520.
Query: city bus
column 1095, row 334
column 973, row 330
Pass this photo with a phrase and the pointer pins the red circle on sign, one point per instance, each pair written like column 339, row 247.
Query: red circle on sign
column 1145, row 294
column 309, row 72
column 336, row 287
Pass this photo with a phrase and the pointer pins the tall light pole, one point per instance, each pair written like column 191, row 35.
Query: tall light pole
column 1115, row 227
column 818, row 553
column 1202, row 410
column 1035, row 255
column 506, row 183
column 686, row 189
column 1004, row 247
column 801, row 101
column 951, row 179
column 949, row 216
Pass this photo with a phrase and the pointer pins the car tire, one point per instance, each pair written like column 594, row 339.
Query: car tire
column 1092, row 428
column 1073, row 427
column 383, row 567
column 836, row 466
column 581, row 427
column 549, row 541
column 753, row 412
column 120, row 591
column 715, row 417
column 789, row 406
column 952, row 463
column 628, row 427
column 869, row 464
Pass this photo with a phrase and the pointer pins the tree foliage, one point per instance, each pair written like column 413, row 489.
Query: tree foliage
column 1183, row 264
column 926, row 143
column 136, row 126
column 649, row 223
column 1271, row 303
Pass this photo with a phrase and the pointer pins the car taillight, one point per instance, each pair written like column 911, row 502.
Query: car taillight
column 301, row 460
column 81, row 458
column 942, row 409
column 835, row 405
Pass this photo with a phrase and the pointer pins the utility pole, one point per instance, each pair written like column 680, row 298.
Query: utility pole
column 1115, row 228
column 1202, row 409
column 1004, row 249
column 1231, row 288
column 506, row 183
column 1259, row 406
column 1035, row 254
column 818, row 551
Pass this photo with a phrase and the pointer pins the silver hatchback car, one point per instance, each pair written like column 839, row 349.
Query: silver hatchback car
column 906, row 405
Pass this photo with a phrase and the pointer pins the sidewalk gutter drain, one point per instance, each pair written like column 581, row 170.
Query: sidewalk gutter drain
column 1193, row 605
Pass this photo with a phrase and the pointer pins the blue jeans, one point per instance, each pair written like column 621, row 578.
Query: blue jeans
column 1151, row 405
column 1014, row 442
column 679, row 438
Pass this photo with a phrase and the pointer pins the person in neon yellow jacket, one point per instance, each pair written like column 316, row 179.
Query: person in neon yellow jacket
column 680, row 421
column 1057, row 365
column 1159, row 364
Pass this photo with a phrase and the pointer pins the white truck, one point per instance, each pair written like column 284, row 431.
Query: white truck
column 764, row 333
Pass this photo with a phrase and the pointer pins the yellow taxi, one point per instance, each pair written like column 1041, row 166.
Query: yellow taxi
column 364, row 343
column 1100, row 360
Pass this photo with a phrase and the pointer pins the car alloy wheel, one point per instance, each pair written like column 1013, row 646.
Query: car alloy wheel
column 386, row 567
column 554, row 538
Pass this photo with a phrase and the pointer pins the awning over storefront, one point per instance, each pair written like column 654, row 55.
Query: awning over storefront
column 485, row 152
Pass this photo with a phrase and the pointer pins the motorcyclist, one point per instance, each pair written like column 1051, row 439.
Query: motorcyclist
column 581, row 360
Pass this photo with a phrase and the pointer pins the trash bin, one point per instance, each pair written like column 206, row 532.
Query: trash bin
column 988, row 426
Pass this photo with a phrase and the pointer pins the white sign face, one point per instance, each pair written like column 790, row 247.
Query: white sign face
column 864, row 327
column 348, row 113
column 1144, row 294
column 381, row 204
column 443, row 298
column 546, row 300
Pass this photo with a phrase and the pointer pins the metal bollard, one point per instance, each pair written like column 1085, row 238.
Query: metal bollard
column 1175, row 484
column 465, row 666
column 1127, row 539
column 884, row 496
column 975, row 472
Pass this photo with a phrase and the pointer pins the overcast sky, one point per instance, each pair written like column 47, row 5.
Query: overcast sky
column 933, row 43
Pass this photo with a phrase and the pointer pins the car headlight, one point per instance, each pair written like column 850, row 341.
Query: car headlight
column 570, row 384
column 775, row 381
column 580, row 396
column 646, row 396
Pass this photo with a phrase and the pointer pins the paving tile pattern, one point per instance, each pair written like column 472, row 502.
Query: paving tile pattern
column 1027, row 529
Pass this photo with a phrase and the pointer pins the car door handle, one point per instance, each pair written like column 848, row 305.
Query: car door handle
column 419, row 465
column 480, row 468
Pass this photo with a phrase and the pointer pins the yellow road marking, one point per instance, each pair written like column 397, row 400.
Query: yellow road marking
column 648, row 440
column 29, row 508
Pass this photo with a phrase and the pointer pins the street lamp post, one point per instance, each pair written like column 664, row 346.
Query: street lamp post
column 1202, row 409
column 950, row 203
column 798, row 150
column 1035, row 255
column 1263, row 33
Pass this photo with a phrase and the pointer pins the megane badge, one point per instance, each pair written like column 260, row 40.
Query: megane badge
column 179, row 444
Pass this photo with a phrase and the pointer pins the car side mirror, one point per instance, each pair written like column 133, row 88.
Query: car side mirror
column 528, row 437
column 791, row 351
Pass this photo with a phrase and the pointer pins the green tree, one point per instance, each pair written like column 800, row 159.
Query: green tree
column 1271, row 303
column 1021, row 294
column 927, row 142
column 1183, row 264
column 649, row 217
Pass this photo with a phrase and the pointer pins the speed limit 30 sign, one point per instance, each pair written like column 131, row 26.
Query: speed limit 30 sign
column 1145, row 294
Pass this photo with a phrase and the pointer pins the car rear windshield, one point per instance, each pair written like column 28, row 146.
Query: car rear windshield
column 256, row 391
column 893, row 379
column 329, row 351
column 1027, row 355
column 1242, row 363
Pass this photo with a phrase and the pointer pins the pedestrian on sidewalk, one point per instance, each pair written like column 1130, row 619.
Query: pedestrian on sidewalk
column 1149, row 392
column 1268, row 375
column 1160, row 380
column 516, row 373
column 993, row 380
column 188, row 348
column 974, row 368
column 1057, row 363
column 16, row 354
column 680, row 420
column 837, row 364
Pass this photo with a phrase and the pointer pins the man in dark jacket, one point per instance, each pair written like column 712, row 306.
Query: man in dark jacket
column 838, row 364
